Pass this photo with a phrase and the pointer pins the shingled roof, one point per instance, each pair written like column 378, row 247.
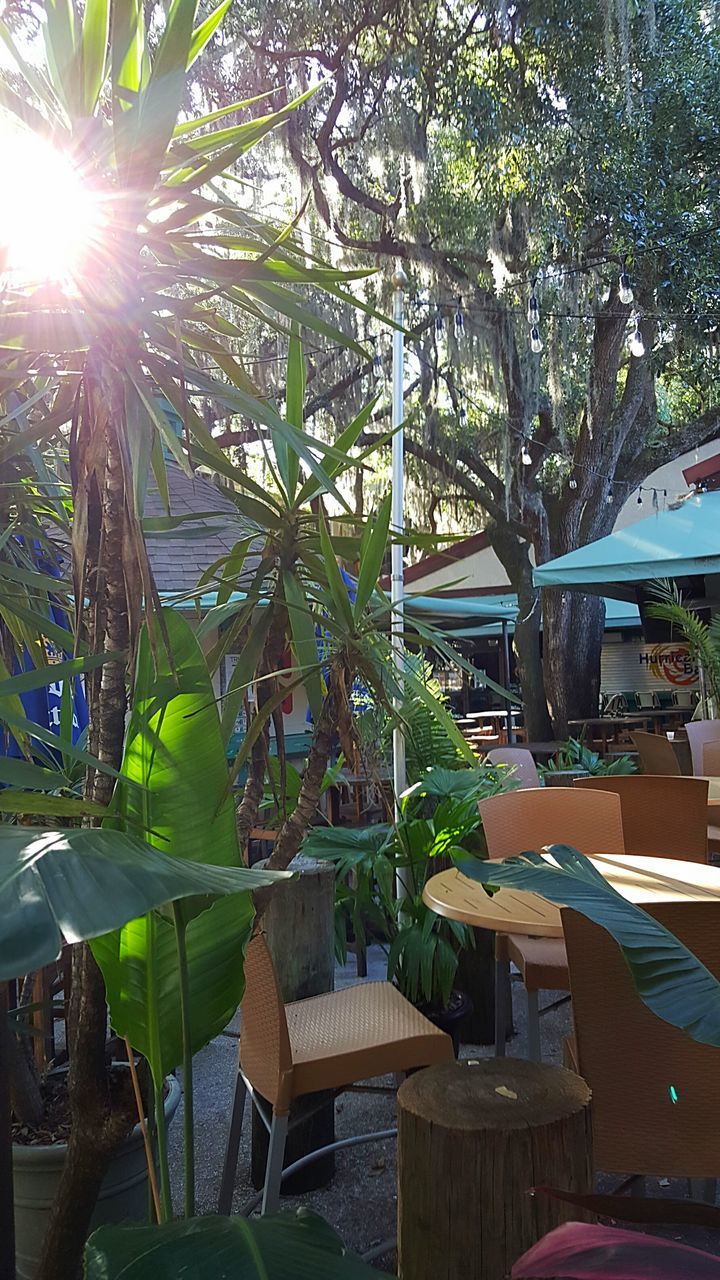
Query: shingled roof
column 179, row 558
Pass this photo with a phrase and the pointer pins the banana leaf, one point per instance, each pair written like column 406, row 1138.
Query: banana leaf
column 669, row 979
column 175, row 751
column 60, row 886
column 285, row 1246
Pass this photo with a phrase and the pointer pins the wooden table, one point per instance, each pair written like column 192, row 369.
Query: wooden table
column 638, row 879
column 543, row 749
column 491, row 715
column 713, row 792
column 609, row 726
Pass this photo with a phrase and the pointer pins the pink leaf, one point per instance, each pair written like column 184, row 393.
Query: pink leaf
column 577, row 1251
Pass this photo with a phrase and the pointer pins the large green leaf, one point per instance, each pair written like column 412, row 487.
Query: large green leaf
column 175, row 751
column 304, row 640
column 93, row 49
column 74, row 885
column 280, row 1247
column 372, row 554
column 670, row 980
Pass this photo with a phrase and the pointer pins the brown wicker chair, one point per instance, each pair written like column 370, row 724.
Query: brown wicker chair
column 529, row 819
column 656, row 754
column 661, row 816
column 711, row 759
column 701, row 732
column 326, row 1042
column 636, row 1064
column 520, row 760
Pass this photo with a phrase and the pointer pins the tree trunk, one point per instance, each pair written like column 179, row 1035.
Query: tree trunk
column 100, row 1116
column 293, row 830
column 573, row 636
column 472, row 1141
column 514, row 555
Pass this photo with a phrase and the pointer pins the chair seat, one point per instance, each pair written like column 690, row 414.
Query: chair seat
column 363, row 1031
column 541, row 961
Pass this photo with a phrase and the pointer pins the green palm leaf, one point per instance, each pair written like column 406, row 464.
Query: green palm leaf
column 670, row 980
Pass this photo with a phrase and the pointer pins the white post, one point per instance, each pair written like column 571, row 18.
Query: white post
column 397, row 519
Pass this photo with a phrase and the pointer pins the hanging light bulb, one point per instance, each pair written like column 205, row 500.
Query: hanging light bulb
column 525, row 455
column 635, row 341
column 377, row 365
column 459, row 322
column 572, row 483
column 536, row 344
column 533, row 310
column 439, row 324
column 606, row 292
column 609, row 496
column 462, row 415
column 639, row 498
column 625, row 292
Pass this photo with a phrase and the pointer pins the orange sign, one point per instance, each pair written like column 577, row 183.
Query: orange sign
column 672, row 663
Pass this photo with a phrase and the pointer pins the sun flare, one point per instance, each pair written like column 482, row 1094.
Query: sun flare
column 49, row 215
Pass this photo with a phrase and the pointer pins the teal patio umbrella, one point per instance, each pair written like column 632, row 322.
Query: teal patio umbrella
column 681, row 542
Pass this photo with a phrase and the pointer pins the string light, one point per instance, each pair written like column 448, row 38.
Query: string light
column 525, row 455
column 536, row 343
column 377, row 366
column 459, row 322
column 572, row 483
column 625, row 293
column 439, row 324
column 462, row 411
column 533, row 309
column 635, row 341
column 640, row 497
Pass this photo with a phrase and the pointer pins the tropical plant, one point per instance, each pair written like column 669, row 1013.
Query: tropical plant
column 702, row 639
column 574, row 754
column 295, row 596
column 60, row 886
column 162, row 259
column 587, row 1251
column 284, row 1246
column 381, row 872
column 669, row 979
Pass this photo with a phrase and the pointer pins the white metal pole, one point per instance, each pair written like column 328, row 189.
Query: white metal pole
column 397, row 519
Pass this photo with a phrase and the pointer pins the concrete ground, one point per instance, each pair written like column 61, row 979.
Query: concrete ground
column 360, row 1202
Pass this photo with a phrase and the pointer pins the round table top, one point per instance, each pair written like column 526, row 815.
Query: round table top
column 638, row 879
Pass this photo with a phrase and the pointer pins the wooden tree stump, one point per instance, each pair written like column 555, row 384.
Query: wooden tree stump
column 473, row 1138
column 299, row 925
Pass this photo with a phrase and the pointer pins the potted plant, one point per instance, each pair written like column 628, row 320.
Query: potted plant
column 381, row 872
column 575, row 757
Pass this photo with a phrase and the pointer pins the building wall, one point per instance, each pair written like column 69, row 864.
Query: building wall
column 669, row 477
column 482, row 569
column 628, row 664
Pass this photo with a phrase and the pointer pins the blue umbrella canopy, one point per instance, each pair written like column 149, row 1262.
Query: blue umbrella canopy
column 677, row 543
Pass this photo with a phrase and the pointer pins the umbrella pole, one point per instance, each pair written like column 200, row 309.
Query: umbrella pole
column 506, row 680
column 397, row 522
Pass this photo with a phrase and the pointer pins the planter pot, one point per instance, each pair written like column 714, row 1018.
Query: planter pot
column 449, row 1019
column 36, row 1173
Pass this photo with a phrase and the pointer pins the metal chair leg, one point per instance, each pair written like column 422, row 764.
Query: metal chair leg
column 533, row 1026
column 502, row 1005
column 704, row 1189
column 273, row 1169
column 227, row 1184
